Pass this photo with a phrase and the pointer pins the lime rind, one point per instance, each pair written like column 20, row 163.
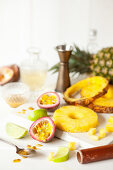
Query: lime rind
column 36, row 114
column 15, row 131
column 61, row 155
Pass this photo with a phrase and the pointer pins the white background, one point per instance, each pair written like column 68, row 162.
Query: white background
column 46, row 23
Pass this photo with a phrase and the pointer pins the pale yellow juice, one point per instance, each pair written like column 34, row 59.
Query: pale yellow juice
column 35, row 79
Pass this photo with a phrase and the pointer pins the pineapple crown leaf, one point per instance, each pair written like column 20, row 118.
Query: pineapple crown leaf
column 79, row 61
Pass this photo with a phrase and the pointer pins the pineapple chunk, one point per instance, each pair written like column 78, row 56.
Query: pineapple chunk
column 94, row 137
column 110, row 120
column 109, row 127
column 51, row 156
column 102, row 133
column 72, row 146
column 92, row 131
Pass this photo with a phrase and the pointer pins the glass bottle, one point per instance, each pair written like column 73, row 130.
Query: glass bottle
column 92, row 45
column 33, row 70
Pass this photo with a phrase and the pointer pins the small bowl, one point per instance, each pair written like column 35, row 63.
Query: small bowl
column 15, row 94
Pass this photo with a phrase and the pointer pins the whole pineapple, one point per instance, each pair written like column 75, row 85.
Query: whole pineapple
column 100, row 64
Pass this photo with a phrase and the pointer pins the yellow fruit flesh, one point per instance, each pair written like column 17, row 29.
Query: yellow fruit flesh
column 75, row 119
column 102, row 133
column 105, row 100
column 110, row 120
column 92, row 131
column 109, row 127
column 48, row 99
column 98, row 83
column 43, row 130
column 72, row 146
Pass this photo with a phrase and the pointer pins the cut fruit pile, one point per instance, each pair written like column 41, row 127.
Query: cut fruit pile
column 103, row 104
column 95, row 93
column 97, row 86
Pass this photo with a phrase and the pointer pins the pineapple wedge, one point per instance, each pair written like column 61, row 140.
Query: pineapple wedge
column 102, row 133
column 110, row 120
column 92, row 131
column 109, row 127
column 72, row 146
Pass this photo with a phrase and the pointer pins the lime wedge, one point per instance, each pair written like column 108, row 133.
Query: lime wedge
column 15, row 131
column 36, row 114
column 61, row 155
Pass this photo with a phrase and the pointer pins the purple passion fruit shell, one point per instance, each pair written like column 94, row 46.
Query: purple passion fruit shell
column 6, row 75
column 43, row 129
column 49, row 101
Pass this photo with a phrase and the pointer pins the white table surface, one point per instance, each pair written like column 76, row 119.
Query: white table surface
column 40, row 160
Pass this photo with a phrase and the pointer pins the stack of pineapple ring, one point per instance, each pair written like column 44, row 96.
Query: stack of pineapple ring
column 95, row 93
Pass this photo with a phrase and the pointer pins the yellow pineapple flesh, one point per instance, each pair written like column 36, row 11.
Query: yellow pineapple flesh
column 72, row 146
column 109, row 127
column 75, row 119
column 97, row 86
column 102, row 133
column 103, row 104
column 92, row 131
column 110, row 120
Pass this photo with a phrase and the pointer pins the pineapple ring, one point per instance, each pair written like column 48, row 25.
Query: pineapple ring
column 103, row 104
column 100, row 84
column 75, row 119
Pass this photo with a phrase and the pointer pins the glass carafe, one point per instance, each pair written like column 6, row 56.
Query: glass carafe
column 33, row 70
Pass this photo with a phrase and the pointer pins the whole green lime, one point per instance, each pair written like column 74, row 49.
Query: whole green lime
column 36, row 114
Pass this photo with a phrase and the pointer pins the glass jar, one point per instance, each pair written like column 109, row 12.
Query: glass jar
column 33, row 70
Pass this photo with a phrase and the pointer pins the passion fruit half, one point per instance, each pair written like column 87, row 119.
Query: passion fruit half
column 49, row 101
column 43, row 129
column 6, row 75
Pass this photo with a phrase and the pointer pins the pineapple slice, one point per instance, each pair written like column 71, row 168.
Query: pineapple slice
column 103, row 104
column 110, row 120
column 109, row 127
column 94, row 137
column 92, row 131
column 72, row 146
column 102, row 133
column 97, row 86
column 75, row 119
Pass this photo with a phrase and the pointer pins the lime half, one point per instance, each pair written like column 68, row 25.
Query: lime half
column 15, row 131
column 61, row 155
column 36, row 114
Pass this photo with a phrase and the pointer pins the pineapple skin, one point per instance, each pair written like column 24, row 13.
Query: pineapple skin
column 103, row 104
column 102, row 63
column 75, row 119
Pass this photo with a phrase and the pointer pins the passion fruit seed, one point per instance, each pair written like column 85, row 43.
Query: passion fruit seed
column 16, row 160
column 48, row 99
column 43, row 129
column 34, row 148
column 36, row 114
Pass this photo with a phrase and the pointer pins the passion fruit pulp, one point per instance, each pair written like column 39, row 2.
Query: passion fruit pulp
column 49, row 101
column 6, row 75
column 43, row 129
